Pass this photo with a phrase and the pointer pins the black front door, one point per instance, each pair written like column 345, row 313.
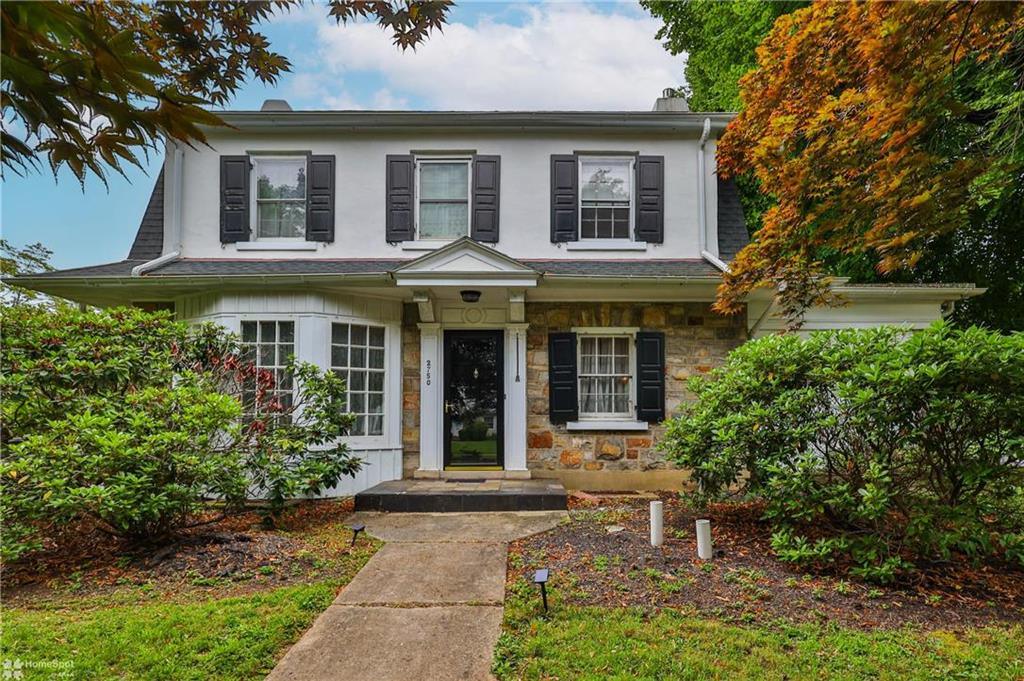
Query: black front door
column 473, row 399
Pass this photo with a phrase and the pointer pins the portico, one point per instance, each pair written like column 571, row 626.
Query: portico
column 472, row 354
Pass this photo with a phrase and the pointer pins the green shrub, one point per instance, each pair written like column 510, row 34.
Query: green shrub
column 132, row 420
column 474, row 431
column 874, row 447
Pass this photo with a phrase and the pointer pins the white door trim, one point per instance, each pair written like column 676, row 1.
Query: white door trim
column 432, row 396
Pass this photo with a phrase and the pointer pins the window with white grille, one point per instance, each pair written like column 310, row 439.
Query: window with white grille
column 605, row 376
column 357, row 356
column 606, row 196
column 268, row 345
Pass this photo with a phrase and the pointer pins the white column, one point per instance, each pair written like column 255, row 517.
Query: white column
column 431, row 397
column 313, row 340
column 515, row 401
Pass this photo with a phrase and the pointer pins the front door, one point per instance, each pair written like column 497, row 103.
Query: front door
column 473, row 399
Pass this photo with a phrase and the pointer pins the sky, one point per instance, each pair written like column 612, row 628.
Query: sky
column 490, row 56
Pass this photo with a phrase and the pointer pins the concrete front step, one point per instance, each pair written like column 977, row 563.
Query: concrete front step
column 463, row 496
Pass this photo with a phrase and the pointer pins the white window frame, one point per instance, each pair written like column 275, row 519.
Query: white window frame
column 254, row 201
column 629, row 238
column 628, row 333
column 384, row 372
column 420, row 161
column 258, row 319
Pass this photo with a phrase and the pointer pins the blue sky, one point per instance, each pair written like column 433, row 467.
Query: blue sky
column 492, row 55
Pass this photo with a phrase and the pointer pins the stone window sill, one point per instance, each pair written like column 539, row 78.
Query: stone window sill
column 606, row 424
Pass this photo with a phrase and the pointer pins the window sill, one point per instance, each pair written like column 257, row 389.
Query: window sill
column 606, row 245
column 425, row 245
column 607, row 424
column 277, row 245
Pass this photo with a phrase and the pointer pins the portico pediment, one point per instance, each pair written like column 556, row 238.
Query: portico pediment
column 465, row 262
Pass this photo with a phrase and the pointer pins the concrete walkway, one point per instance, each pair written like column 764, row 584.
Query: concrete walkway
column 428, row 605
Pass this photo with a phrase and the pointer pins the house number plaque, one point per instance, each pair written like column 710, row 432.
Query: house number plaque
column 427, row 372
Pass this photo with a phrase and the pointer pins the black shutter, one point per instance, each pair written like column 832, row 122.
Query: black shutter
column 650, row 199
column 320, row 199
column 234, row 199
column 564, row 198
column 650, row 376
column 563, row 402
column 486, row 190
column 399, row 185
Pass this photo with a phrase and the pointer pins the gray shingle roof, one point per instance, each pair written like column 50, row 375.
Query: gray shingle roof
column 122, row 268
column 149, row 240
column 625, row 268
column 187, row 267
column 260, row 267
column 732, row 228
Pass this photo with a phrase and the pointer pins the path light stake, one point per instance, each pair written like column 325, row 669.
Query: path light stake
column 541, row 577
column 704, row 551
column 356, row 529
column 657, row 524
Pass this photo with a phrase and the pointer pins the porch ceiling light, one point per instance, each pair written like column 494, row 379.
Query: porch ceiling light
column 469, row 296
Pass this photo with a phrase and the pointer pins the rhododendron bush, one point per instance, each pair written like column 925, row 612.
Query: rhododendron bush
column 132, row 421
column 874, row 450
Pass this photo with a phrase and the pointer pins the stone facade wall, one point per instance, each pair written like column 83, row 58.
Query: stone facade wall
column 410, row 391
column 696, row 340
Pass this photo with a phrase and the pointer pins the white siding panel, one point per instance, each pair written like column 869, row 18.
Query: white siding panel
column 380, row 465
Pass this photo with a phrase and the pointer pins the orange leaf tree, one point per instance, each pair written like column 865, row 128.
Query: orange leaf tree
column 856, row 123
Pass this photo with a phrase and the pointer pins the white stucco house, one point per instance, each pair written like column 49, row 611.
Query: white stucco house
column 508, row 294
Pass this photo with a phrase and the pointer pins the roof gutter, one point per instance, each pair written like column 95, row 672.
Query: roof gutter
column 702, row 191
column 149, row 265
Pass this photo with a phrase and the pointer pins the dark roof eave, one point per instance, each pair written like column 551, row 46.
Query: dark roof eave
column 198, row 278
column 419, row 120
column 638, row 278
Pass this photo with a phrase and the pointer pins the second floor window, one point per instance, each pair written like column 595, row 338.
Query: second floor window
column 606, row 194
column 443, row 198
column 280, row 197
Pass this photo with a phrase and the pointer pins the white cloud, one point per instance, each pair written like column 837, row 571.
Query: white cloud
column 560, row 57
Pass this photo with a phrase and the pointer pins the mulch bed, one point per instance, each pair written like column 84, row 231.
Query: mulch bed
column 600, row 564
column 230, row 557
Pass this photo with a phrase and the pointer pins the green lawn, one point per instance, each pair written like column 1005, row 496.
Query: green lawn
column 627, row 643
column 136, row 634
column 474, row 450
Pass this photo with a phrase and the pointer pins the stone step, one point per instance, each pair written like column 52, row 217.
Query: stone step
column 444, row 496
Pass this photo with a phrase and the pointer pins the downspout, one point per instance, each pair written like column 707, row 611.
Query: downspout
column 703, row 208
column 176, row 231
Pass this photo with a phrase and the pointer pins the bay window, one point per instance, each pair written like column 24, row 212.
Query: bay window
column 357, row 357
column 268, row 345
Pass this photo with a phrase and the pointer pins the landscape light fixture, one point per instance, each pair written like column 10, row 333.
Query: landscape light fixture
column 469, row 296
column 356, row 529
column 541, row 577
